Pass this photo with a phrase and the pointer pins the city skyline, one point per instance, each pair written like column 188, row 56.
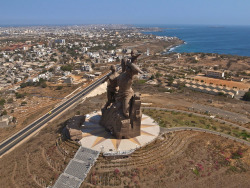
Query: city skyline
column 193, row 12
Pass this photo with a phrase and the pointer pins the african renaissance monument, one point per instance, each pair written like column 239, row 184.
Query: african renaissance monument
column 122, row 113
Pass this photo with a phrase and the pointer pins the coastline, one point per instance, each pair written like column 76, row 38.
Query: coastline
column 210, row 39
column 171, row 48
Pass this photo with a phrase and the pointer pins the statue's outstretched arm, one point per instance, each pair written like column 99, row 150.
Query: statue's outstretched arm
column 105, row 79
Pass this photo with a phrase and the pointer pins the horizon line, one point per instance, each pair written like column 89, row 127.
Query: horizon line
column 128, row 24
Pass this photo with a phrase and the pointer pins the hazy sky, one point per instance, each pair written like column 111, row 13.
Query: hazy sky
column 212, row 12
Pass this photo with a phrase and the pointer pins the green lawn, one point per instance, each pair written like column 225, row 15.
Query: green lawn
column 177, row 119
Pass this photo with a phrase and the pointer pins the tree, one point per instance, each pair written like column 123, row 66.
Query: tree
column 14, row 120
column 4, row 113
column 43, row 85
column 170, row 81
column 16, row 58
column 246, row 96
column 66, row 68
column 158, row 75
column 51, row 69
column 23, row 85
column 44, row 71
column 152, row 77
column 53, row 59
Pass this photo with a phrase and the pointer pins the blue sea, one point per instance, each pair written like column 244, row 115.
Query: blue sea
column 234, row 40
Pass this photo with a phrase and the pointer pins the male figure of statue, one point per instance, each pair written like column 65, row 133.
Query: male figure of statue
column 125, row 92
column 112, row 86
column 132, row 59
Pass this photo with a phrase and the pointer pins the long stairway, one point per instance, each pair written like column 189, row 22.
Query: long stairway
column 77, row 169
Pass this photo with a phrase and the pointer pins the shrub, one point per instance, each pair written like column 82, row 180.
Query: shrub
column 19, row 95
column 59, row 87
column 196, row 171
column 10, row 100
column 161, row 89
column 236, row 155
column 221, row 94
column 214, row 128
column 2, row 102
column 23, row 103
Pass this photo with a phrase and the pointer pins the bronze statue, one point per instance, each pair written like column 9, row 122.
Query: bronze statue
column 112, row 86
column 125, row 92
column 122, row 116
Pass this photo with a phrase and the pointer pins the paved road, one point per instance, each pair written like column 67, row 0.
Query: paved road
column 232, row 116
column 200, row 115
column 22, row 134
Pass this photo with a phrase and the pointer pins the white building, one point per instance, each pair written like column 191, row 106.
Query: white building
column 215, row 74
column 5, row 120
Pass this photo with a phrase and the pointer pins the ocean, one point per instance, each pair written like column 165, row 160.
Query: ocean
column 234, row 40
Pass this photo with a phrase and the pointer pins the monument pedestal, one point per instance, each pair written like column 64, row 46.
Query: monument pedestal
column 94, row 136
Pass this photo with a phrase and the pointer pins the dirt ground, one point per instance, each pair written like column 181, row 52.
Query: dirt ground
column 38, row 161
column 227, row 62
column 182, row 159
column 230, row 84
column 38, row 100
column 186, row 99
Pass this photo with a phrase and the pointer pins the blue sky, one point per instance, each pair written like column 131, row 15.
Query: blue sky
column 208, row 12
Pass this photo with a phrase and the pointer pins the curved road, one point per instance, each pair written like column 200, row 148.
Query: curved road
column 22, row 134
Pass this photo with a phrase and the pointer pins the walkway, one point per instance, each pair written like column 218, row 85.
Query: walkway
column 77, row 169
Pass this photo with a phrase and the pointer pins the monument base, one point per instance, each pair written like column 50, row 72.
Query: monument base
column 73, row 128
column 95, row 137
